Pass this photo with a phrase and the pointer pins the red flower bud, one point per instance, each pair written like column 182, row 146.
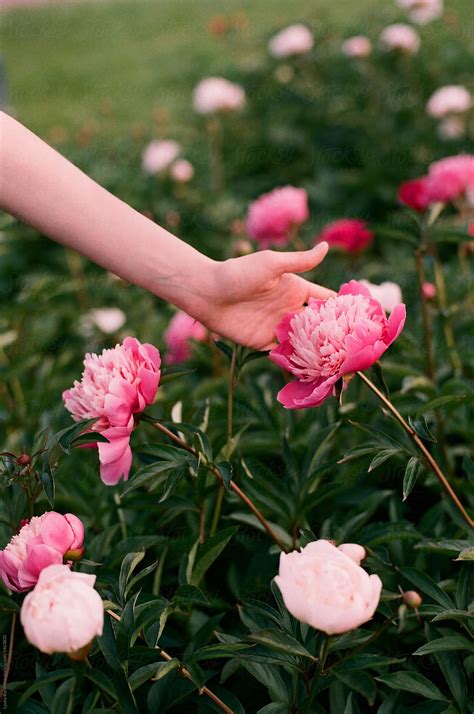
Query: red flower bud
column 412, row 599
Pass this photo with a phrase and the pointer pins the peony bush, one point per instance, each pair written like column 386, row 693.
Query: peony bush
column 191, row 526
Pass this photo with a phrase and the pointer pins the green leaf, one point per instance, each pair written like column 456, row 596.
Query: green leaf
column 281, row 641
column 412, row 471
column 153, row 474
column 101, row 680
column 439, row 402
column 420, row 427
column 190, row 595
column 108, row 645
column 142, row 574
column 219, row 651
column 91, row 437
column 412, row 682
column 64, row 698
column 453, row 671
column 7, row 604
column 224, row 348
column 351, row 705
column 360, row 682
column 47, row 479
column 427, row 586
column 49, row 678
column 378, row 378
column 381, row 458
column 172, row 483
column 208, row 552
column 466, row 554
column 155, row 670
column 65, row 437
column 225, row 470
column 129, row 564
column 446, row 644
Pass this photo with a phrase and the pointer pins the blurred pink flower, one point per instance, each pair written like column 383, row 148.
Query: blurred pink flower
column 358, row 46
column 115, row 385
column 348, row 234
column 42, row 541
column 388, row 294
column 293, row 40
column 415, row 194
column 63, row 613
column 272, row 217
column 107, row 319
column 452, row 178
column 330, row 339
column 181, row 330
column 400, row 38
column 429, row 291
column 159, row 155
column 325, row 587
column 422, row 11
column 216, row 94
column 182, row 171
column 451, row 99
column 452, row 127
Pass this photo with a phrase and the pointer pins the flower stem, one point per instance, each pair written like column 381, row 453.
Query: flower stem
column 443, row 303
column 420, row 269
column 186, row 674
column 419, row 443
column 216, row 160
column 8, row 662
column 308, row 706
column 214, row 470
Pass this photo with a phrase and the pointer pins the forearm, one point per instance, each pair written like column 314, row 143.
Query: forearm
column 43, row 189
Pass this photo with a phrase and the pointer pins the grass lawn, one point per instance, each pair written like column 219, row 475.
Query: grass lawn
column 67, row 64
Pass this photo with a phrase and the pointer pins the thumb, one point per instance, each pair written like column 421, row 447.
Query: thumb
column 301, row 260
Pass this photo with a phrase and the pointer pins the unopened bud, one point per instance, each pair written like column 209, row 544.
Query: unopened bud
column 74, row 554
column 412, row 599
column 23, row 460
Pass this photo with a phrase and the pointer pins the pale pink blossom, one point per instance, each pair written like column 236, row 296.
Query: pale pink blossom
column 159, row 155
column 422, row 11
column 182, row 171
column 451, row 99
column 216, row 94
column 400, row 38
column 331, row 339
column 42, row 541
column 107, row 319
column 357, row 46
column 63, row 613
column 451, row 128
column 293, row 40
column 388, row 294
column 179, row 334
column 273, row 216
column 429, row 291
column 325, row 587
column 350, row 235
column 451, row 179
column 115, row 386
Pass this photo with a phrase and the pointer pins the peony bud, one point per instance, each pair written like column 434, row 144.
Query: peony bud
column 412, row 599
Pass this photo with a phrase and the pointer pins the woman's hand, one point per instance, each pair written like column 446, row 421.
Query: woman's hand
column 251, row 294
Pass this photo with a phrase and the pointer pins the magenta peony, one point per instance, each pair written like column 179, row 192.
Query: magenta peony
column 216, row 94
column 42, row 541
column 388, row 294
column 325, row 587
column 330, row 339
column 159, row 155
column 293, row 40
column 400, row 38
column 115, row 385
column 182, row 329
column 273, row 216
column 451, row 99
column 451, row 179
column 348, row 234
column 63, row 613
column 415, row 194
column 358, row 46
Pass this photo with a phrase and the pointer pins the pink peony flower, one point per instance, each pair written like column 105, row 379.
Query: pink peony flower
column 115, row 385
column 182, row 171
column 159, row 155
column 272, row 217
column 388, row 294
column 63, row 613
column 216, row 94
column 42, row 541
column 452, row 127
column 451, row 178
column 429, row 291
column 182, row 329
column 358, row 46
column 400, row 38
column 325, row 587
column 452, row 99
column 330, row 339
column 422, row 11
column 293, row 40
column 415, row 194
column 348, row 234
column 107, row 319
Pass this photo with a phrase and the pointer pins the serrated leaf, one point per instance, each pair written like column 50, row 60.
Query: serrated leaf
column 282, row 642
column 412, row 682
column 411, row 475
column 449, row 643
column 421, row 428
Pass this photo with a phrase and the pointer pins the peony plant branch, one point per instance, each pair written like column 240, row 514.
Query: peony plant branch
column 185, row 673
column 308, row 706
column 419, row 443
column 214, row 470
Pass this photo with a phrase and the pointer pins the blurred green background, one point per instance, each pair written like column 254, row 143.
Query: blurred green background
column 139, row 59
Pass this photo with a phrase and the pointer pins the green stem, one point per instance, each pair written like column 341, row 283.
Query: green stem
column 214, row 131
column 443, row 303
column 8, row 662
column 308, row 705
column 418, row 442
column 420, row 269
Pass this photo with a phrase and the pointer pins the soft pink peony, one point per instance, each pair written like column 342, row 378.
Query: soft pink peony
column 358, row 46
column 429, row 291
column 273, row 216
column 400, row 38
column 115, row 385
column 159, row 155
column 42, row 541
column 182, row 329
column 348, row 234
column 63, row 613
column 293, row 40
column 451, row 99
column 182, row 171
column 330, row 339
column 415, row 194
column 422, row 11
column 216, row 94
column 452, row 178
column 325, row 587
column 388, row 294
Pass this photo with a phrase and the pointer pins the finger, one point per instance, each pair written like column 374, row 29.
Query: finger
column 318, row 291
column 299, row 261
